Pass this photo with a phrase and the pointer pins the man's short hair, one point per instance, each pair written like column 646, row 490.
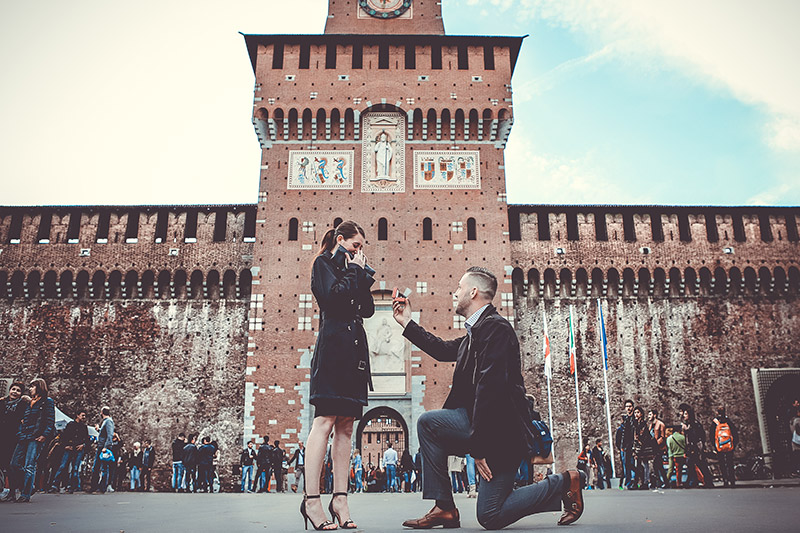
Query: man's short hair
column 654, row 411
column 598, row 441
column 485, row 281
column 19, row 384
column 629, row 402
column 105, row 411
column 182, row 434
column 276, row 443
column 266, row 440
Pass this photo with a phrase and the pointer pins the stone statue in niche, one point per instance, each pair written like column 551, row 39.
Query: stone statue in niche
column 383, row 152
column 383, row 156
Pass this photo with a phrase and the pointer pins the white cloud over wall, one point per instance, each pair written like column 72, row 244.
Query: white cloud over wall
column 746, row 48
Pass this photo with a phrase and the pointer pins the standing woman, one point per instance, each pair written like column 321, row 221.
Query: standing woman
column 340, row 373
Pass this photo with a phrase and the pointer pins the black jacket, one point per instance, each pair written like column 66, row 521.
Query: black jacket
column 487, row 381
column 190, row 455
column 205, row 454
column 148, row 457
column 340, row 366
column 11, row 413
column 264, row 455
column 177, row 450
column 248, row 456
column 75, row 434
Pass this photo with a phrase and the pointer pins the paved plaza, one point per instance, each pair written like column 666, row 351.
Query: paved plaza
column 743, row 509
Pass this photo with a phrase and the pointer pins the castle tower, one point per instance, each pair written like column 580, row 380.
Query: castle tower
column 387, row 121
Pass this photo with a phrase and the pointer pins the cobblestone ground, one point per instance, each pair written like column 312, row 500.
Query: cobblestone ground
column 743, row 509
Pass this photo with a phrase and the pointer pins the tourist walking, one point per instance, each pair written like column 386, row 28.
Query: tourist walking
column 12, row 409
column 340, row 372
column 726, row 438
column 246, row 461
column 177, row 462
column 35, row 429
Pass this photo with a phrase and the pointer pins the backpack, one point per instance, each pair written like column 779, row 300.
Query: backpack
column 724, row 437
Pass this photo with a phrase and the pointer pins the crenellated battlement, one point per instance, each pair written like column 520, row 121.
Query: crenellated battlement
column 654, row 251
column 126, row 252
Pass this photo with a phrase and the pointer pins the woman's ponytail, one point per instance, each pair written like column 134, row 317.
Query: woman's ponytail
column 328, row 241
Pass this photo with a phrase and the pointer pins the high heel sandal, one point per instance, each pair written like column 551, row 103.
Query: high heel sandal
column 323, row 526
column 348, row 524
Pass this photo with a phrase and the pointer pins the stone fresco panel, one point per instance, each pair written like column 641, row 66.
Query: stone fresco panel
column 447, row 169
column 320, row 169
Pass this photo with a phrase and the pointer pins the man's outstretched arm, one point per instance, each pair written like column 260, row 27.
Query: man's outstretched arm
column 439, row 349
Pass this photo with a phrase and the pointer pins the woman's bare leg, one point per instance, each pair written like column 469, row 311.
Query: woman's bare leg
column 316, row 446
column 340, row 450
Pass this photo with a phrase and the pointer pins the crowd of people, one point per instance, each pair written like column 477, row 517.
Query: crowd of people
column 270, row 461
column 35, row 456
column 645, row 444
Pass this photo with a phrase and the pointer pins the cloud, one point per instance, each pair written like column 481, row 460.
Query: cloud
column 783, row 133
column 542, row 178
column 746, row 49
column 556, row 76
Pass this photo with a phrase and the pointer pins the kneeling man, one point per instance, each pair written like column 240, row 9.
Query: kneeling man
column 485, row 415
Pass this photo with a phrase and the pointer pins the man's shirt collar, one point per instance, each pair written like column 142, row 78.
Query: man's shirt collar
column 470, row 322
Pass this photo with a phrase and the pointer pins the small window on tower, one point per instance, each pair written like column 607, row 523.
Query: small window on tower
column 383, row 230
column 488, row 57
column 427, row 229
column 463, row 58
column 330, row 56
column 277, row 56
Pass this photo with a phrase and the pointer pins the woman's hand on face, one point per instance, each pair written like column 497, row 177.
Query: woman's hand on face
column 359, row 259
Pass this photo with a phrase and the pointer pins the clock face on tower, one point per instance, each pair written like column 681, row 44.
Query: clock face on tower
column 384, row 9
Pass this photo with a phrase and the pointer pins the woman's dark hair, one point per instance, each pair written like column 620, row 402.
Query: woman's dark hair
column 347, row 229
column 637, row 408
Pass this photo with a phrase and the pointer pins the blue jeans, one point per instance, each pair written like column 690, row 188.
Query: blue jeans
column 247, row 477
column 626, row 457
column 135, row 478
column 359, row 480
column 601, row 475
column 471, row 469
column 75, row 470
column 63, row 469
column 391, row 477
column 104, row 469
column 177, row 475
column 23, row 466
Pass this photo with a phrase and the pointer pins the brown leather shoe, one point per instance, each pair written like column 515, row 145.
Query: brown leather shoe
column 435, row 517
column 573, row 499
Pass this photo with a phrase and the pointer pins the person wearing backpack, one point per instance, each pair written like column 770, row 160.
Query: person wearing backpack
column 725, row 441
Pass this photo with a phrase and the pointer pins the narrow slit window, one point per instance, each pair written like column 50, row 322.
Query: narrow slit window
column 383, row 56
column 162, row 222
column 102, row 227
column 74, row 228
column 463, row 58
column 132, row 229
column 427, row 229
column 220, row 225
column 436, row 57
column 45, row 223
column 711, row 227
column 683, row 227
column 656, row 227
column 544, row 226
column 383, row 229
column 293, row 223
column 190, row 230
column 628, row 228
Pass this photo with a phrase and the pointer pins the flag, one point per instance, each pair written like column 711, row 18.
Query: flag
column 571, row 345
column 603, row 334
column 548, row 364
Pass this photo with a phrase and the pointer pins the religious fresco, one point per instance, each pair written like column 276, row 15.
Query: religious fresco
column 388, row 352
column 383, row 152
column 447, row 169
column 320, row 169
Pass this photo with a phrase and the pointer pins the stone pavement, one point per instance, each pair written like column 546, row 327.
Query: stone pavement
column 743, row 509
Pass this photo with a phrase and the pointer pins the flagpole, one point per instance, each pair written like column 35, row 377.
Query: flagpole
column 602, row 326
column 547, row 373
column 574, row 355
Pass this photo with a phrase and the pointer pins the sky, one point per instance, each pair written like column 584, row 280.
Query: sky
column 615, row 101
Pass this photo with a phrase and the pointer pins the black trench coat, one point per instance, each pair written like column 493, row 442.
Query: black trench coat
column 340, row 368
